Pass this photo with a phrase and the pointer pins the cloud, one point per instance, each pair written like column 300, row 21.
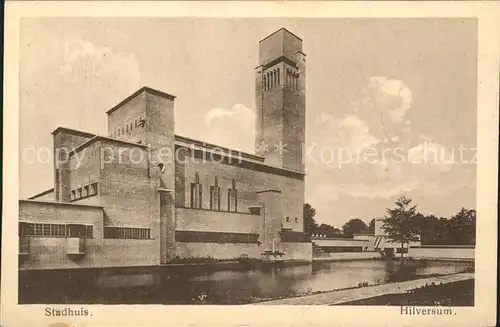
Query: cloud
column 99, row 66
column 390, row 97
column 237, row 110
column 347, row 132
column 232, row 128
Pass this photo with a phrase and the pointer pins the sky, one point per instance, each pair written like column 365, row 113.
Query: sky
column 373, row 85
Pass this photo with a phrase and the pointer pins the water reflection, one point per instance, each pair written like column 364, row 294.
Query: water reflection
column 236, row 287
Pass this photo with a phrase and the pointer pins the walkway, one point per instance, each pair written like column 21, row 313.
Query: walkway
column 337, row 297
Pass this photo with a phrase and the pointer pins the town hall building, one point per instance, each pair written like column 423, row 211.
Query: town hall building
column 144, row 196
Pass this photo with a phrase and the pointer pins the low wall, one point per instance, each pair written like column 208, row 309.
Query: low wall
column 50, row 253
column 442, row 252
column 296, row 250
column 217, row 250
column 340, row 242
column 216, row 221
column 346, row 256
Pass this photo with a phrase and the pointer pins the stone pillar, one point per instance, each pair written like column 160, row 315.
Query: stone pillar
column 167, row 225
column 271, row 214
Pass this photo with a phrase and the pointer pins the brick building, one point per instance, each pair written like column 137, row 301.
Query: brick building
column 143, row 195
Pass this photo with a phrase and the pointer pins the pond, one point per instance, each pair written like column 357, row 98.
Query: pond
column 236, row 286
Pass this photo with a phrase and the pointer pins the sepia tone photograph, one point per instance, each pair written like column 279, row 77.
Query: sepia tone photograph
column 262, row 161
column 235, row 161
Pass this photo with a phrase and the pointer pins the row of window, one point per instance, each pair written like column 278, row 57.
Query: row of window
column 288, row 219
column 84, row 192
column 128, row 127
column 273, row 78
column 196, row 193
column 86, row 231
column 127, row 233
column 56, row 230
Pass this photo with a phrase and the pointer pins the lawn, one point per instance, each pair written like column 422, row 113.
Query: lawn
column 452, row 294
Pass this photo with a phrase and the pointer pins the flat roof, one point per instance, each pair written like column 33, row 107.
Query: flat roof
column 61, row 203
column 51, row 190
column 139, row 91
column 72, row 131
column 212, row 146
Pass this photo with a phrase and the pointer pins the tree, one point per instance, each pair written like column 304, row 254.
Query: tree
column 462, row 227
column 310, row 224
column 354, row 226
column 400, row 225
column 371, row 227
column 328, row 230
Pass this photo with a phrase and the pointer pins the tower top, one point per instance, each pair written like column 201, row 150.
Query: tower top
column 281, row 44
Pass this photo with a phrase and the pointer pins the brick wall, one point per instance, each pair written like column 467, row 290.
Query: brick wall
column 124, row 186
column 50, row 252
column 65, row 140
column 217, row 250
column 216, row 221
column 296, row 251
column 248, row 182
column 444, row 252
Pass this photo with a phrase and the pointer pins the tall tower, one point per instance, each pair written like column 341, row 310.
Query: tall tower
column 280, row 86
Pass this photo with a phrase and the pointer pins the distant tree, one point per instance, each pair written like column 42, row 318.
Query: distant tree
column 371, row 226
column 310, row 224
column 462, row 228
column 400, row 225
column 354, row 226
column 328, row 231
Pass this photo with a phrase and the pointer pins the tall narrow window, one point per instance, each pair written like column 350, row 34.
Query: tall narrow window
column 275, row 73
column 196, row 193
column 215, row 196
column 232, row 198
column 278, row 73
column 265, row 85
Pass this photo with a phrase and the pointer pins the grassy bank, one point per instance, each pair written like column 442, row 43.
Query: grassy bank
column 452, row 294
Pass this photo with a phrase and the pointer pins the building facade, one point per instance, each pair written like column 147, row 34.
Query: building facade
column 143, row 195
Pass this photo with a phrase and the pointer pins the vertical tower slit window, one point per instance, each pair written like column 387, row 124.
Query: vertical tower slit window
column 196, row 192
column 215, row 195
column 232, row 198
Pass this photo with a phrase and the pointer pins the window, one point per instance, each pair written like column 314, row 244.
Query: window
column 123, row 130
column 278, row 73
column 296, row 219
column 93, row 189
column 126, row 128
column 127, row 233
column 79, row 192
column 86, row 190
column 265, row 81
column 196, row 193
column 118, row 132
column 72, row 195
column 215, row 196
column 287, row 219
column 232, row 198
column 55, row 230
